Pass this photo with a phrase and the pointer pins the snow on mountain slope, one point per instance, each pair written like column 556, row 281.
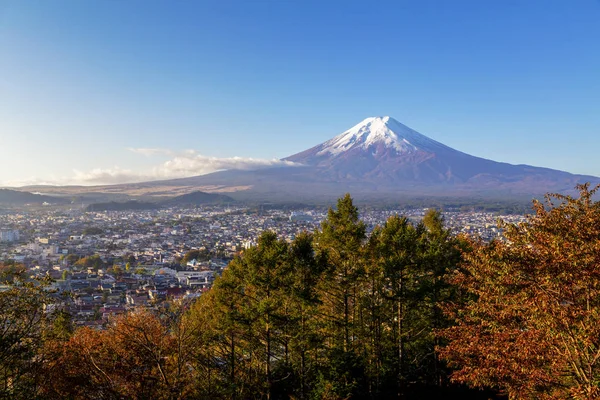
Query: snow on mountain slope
column 376, row 131
column 365, row 134
column 376, row 135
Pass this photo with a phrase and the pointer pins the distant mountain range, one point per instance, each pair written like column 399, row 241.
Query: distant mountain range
column 198, row 198
column 377, row 159
column 186, row 200
column 16, row 197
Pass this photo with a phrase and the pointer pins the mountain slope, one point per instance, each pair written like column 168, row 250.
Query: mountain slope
column 16, row 197
column 198, row 198
column 382, row 151
column 375, row 134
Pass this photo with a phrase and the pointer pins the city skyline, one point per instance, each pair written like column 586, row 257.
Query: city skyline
column 112, row 92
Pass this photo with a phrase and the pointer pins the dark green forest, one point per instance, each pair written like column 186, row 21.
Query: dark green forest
column 409, row 311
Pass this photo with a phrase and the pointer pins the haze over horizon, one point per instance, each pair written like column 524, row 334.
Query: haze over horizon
column 113, row 92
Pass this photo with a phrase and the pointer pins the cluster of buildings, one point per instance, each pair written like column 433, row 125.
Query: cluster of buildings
column 97, row 296
column 481, row 224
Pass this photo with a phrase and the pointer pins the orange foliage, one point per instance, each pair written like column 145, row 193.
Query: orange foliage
column 134, row 358
column 531, row 324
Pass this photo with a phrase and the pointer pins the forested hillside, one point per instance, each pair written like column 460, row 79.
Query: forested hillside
column 407, row 311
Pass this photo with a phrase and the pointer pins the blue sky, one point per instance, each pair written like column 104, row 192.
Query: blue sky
column 84, row 85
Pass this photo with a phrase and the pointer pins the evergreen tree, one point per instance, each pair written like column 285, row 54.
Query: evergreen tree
column 251, row 296
column 441, row 254
column 394, row 263
column 340, row 240
column 303, row 344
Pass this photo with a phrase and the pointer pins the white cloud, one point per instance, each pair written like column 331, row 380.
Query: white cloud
column 184, row 164
column 32, row 181
column 101, row 176
column 197, row 164
column 180, row 164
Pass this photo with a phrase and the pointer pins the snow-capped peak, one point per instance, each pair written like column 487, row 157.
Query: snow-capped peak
column 376, row 131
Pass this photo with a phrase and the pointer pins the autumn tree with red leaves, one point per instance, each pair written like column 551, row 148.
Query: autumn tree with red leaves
column 531, row 323
column 140, row 356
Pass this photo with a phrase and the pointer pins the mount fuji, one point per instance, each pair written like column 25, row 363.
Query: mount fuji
column 380, row 157
column 382, row 150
